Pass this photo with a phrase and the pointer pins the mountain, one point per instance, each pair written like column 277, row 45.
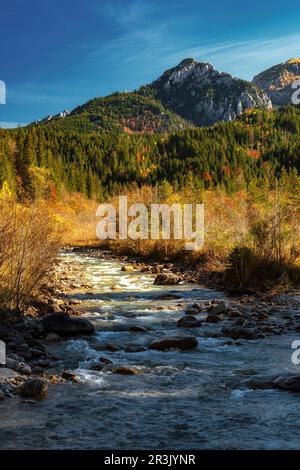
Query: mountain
column 277, row 81
column 191, row 94
column 200, row 94
column 121, row 112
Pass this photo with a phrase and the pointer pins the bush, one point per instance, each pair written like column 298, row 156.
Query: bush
column 29, row 244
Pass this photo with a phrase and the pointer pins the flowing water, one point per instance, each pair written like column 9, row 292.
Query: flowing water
column 179, row 400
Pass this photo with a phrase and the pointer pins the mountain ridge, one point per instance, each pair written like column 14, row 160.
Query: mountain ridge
column 190, row 94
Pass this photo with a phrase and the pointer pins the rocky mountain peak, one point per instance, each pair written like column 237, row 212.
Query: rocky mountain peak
column 199, row 93
column 277, row 81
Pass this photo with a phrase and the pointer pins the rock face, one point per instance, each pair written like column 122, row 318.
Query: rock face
column 277, row 81
column 175, row 342
column 35, row 388
column 62, row 324
column 202, row 95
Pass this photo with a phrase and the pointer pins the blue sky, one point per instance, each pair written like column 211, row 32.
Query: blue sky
column 60, row 53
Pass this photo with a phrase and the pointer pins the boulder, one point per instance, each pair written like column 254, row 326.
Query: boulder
column 193, row 310
column 240, row 332
column 127, row 269
column 35, row 388
column 105, row 360
column 66, row 375
column 262, row 316
column 212, row 318
column 138, row 329
column 167, row 279
column 98, row 367
column 52, row 337
column 288, row 382
column 52, row 308
column 7, row 375
column 18, row 366
column 132, row 348
column 62, row 324
column 188, row 322
column 175, row 342
column 122, row 370
column 220, row 309
column 234, row 314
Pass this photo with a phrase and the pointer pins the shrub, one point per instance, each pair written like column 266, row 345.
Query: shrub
column 29, row 244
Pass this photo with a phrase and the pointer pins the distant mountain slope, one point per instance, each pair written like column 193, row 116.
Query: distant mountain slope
column 199, row 93
column 127, row 112
column 277, row 81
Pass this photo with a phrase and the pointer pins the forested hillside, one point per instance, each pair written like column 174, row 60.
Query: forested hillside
column 121, row 112
column 44, row 159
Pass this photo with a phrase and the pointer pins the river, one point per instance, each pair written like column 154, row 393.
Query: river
column 196, row 399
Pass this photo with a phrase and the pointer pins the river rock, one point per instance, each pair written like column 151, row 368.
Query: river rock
column 175, row 342
column 97, row 367
column 35, row 388
column 167, row 279
column 105, row 360
column 262, row 316
column 132, row 348
column 18, row 366
column 70, row 376
column 240, row 332
column 7, row 375
column 64, row 325
column 127, row 269
column 288, row 382
column 220, row 309
column 188, row 322
column 122, row 370
column 52, row 308
column 138, row 329
column 52, row 337
column 212, row 318
column 234, row 314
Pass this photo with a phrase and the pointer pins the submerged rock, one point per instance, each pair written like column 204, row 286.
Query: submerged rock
column 220, row 309
column 122, row 370
column 131, row 348
column 35, row 388
column 288, row 382
column 240, row 332
column 64, row 325
column 138, row 329
column 105, row 360
column 212, row 318
column 188, row 322
column 175, row 342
